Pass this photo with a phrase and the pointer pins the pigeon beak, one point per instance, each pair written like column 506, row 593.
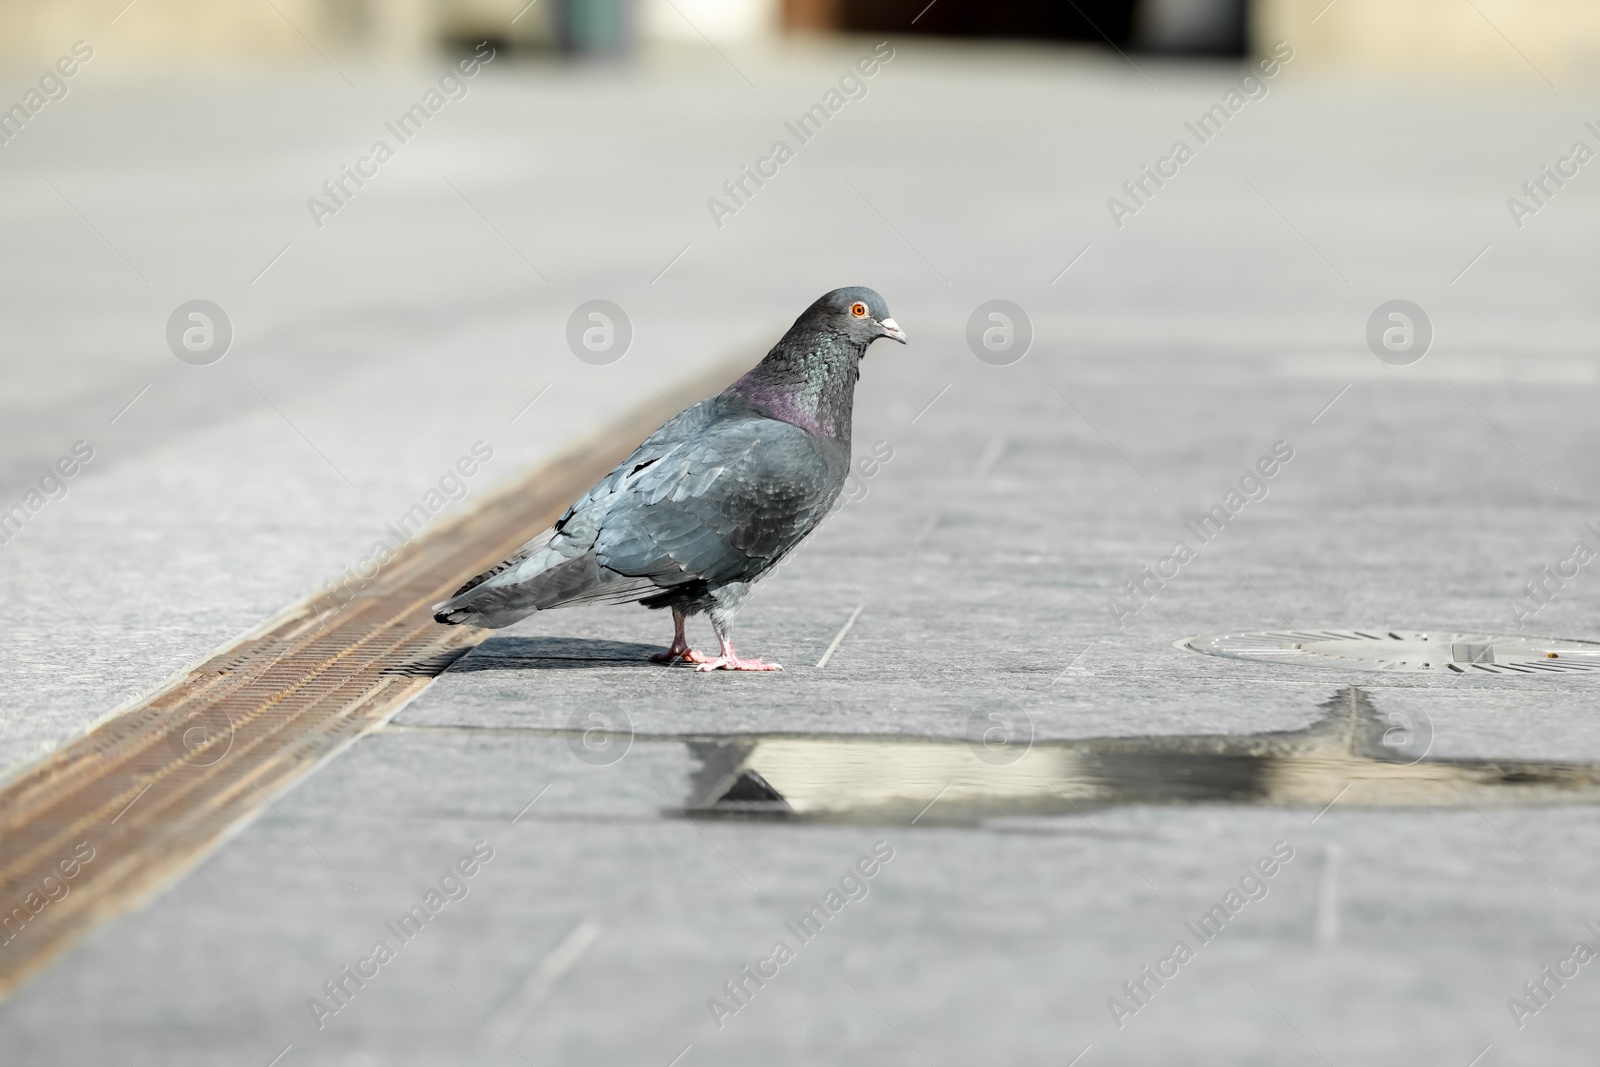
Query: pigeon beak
column 891, row 329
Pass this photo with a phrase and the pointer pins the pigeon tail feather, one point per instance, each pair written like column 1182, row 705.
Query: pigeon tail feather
column 537, row 578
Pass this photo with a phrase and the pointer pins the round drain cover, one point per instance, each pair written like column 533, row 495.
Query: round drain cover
column 1405, row 650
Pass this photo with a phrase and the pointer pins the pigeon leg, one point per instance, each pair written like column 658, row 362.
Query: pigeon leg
column 729, row 660
column 680, row 645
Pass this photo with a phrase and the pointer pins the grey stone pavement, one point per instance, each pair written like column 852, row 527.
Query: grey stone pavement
column 1222, row 318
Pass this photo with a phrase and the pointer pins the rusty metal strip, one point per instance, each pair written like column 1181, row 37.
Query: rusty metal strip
column 150, row 792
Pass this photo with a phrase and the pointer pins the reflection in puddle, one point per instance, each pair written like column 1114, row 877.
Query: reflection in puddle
column 1352, row 755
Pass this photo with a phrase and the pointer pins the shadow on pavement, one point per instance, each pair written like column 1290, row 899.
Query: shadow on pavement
column 555, row 654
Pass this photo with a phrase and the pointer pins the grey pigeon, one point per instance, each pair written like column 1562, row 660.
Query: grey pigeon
column 711, row 501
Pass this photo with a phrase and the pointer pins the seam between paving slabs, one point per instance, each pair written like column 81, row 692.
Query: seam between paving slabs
column 155, row 788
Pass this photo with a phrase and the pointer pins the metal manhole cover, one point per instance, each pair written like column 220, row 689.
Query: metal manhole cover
column 1405, row 650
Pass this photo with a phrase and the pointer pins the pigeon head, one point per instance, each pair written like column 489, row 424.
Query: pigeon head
column 857, row 313
column 808, row 379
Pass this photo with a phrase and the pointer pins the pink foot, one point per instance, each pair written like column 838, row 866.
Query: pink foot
column 734, row 663
column 674, row 655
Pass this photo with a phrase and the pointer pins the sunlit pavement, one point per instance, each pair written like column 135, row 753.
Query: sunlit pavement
column 988, row 553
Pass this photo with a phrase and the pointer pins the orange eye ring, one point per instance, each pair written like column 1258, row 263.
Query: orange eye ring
column 858, row 309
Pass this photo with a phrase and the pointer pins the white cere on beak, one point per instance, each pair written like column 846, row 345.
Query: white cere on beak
column 892, row 329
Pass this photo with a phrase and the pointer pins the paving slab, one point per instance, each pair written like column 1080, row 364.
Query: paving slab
column 1000, row 940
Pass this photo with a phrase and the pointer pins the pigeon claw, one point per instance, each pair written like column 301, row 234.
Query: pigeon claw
column 734, row 663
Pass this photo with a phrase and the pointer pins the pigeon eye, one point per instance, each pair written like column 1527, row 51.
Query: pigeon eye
column 859, row 310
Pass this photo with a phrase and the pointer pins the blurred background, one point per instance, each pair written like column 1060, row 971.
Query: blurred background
column 1373, row 35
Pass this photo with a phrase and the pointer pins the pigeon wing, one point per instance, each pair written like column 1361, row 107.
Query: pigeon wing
column 558, row 566
column 724, row 506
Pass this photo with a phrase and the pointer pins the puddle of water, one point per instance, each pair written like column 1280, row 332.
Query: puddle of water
column 1352, row 755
